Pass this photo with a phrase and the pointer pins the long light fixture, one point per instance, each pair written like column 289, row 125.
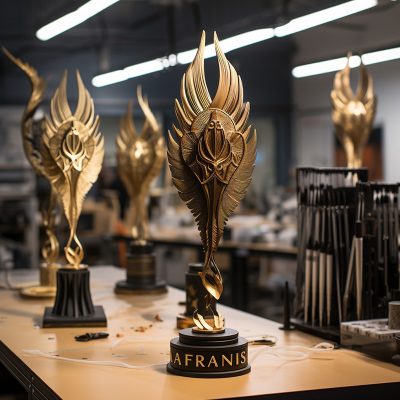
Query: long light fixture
column 185, row 57
column 245, row 39
column 324, row 16
column 337, row 64
column 74, row 18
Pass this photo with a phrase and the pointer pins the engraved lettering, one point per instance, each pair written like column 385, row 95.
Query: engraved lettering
column 227, row 360
column 188, row 358
column 237, row 358
column 199, row 360
column 212, row 361
column 243, row 357
column 177, row 359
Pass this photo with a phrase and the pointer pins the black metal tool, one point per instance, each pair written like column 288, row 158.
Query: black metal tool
column 87, row 337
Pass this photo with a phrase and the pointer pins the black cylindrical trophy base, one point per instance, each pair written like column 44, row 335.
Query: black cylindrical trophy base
column 195, row 297
column 73, row 305
column 141, row 274
column 209, row 355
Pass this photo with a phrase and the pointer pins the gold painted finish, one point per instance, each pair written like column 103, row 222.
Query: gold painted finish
column 211, row 160
column 50, row 247
column 140, row 158
column 72, row 152
column 353, row 113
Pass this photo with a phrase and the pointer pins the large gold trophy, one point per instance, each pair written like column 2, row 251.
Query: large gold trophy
column 211, row 159
column 353, row 113
column 73, row 152
column 50, row 246
column 140, row 158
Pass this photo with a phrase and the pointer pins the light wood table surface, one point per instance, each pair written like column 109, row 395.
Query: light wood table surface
column 20, row 329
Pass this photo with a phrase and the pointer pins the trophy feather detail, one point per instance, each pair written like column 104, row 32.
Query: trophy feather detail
column 73, row 152
column 50, row 247
column 211, row 158
column 140, row 158
column 353, row 113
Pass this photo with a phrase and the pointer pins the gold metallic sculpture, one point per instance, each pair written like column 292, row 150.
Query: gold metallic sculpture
column 50, row 246
column 211, row 160
column 140, row 159
column 72, row 153
column 353, row 113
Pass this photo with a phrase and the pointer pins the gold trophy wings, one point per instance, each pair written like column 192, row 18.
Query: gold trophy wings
column 353, row 113
column 50, row 247
column 211, row 159
column 140, row 158
column 73, row 152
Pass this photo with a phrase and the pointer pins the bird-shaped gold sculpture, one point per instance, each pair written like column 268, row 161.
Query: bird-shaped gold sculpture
column 211, row 160
column 50, row 245
column 140, row 158
column 72, row 152
column 353, row 113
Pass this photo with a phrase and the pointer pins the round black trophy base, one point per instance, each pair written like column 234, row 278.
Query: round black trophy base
column 209, row 355
column 126, row 287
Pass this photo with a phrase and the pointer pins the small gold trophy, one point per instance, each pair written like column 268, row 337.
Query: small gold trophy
column 50, row 247
column 140, row 159
column 73, row 152
column 353, row 113
column 211, row 159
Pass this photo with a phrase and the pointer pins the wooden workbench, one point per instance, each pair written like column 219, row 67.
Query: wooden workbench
column 341, row 373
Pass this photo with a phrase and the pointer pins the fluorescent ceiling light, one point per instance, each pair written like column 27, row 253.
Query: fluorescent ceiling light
column 324, row 67
column 185, row 57
column 381, row 56
column 322, row 17
column 337, row 64
column 242, row 40
column 74, row 18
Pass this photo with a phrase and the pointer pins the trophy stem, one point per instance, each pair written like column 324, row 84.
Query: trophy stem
column 73, row 305
column 196, row 296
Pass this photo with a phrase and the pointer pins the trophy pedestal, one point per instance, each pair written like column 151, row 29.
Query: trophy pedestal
column 209, row 355
column 195, row 298
column 73, row 306
column 141, row 274
column 48, row 283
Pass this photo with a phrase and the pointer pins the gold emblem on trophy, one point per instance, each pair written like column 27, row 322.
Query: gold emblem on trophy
column 73, row 152
column 211, row 159
column 140, row 158
column 50, row 246
column 353, row 113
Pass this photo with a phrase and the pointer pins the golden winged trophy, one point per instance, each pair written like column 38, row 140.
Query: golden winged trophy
column 50, row 246
column 140, row 158
column 211, row 156
column 72, row 153
column 353, row 113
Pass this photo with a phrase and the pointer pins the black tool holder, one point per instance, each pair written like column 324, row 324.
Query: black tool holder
column 141, row 274
column 196, row 295
column 327, row 199
column 379, row 217
column 73, row 306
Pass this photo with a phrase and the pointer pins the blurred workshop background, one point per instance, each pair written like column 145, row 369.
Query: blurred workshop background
column 291, row 112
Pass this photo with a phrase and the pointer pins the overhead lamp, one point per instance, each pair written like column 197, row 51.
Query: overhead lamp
column 238, row 41
column 324, row 16
column 337, row 64
column 73, row 18
column 185, row 57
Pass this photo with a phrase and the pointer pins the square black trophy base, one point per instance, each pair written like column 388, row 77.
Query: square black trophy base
column 51, row 320
column 209, row 355
column 126, row 287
